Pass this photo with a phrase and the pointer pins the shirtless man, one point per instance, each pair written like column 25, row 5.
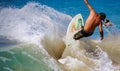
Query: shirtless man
column 94, row 20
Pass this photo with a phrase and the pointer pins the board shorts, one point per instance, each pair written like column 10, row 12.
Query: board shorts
column 81, row 33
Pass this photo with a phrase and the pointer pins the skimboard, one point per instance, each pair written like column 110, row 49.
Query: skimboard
column 75, row 25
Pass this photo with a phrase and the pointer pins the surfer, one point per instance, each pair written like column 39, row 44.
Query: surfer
column 94, row 20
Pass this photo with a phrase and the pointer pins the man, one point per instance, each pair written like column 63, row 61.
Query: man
column 92, row 22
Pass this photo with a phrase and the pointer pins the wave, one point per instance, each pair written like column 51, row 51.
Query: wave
column 30, row 24
column 31, row 21
column 41, row 33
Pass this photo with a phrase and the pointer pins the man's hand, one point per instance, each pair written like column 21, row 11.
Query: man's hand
column 85, row 0
column 102, row 38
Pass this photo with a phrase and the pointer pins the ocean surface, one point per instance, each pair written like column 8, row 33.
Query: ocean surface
column 33, row 36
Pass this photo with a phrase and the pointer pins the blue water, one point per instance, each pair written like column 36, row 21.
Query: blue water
column 71, row 7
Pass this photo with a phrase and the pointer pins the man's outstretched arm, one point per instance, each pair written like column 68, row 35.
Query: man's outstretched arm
column 101, row 31
column 87, row 3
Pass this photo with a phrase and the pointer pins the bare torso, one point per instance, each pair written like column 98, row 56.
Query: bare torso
column 92, row 21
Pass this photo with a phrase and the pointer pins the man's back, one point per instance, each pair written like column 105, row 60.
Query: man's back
column 92, row 21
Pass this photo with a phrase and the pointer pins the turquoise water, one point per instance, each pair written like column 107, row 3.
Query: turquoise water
column 23, row 58
column 32, row 37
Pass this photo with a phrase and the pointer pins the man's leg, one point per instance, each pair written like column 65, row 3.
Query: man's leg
column 78, row 35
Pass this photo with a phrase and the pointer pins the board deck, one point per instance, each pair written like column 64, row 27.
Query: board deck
column 76, row 24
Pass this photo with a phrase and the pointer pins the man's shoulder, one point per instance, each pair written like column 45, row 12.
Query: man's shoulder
column 93, row 11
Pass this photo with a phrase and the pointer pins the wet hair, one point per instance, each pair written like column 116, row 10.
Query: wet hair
column 103, row 15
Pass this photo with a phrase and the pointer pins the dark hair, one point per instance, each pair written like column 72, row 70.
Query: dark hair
column 103, row 15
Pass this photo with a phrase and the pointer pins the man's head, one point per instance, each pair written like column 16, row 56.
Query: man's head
column 102, row 15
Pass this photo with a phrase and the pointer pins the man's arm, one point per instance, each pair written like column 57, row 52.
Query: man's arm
column 101, row 31
column 89, row 6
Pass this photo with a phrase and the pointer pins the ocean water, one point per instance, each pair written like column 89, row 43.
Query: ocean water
column 32, row 37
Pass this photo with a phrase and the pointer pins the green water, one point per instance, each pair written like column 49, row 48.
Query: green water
column 52, row 56
column 23, row 58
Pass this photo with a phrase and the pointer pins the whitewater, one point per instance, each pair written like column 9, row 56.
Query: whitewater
column 33, row 38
